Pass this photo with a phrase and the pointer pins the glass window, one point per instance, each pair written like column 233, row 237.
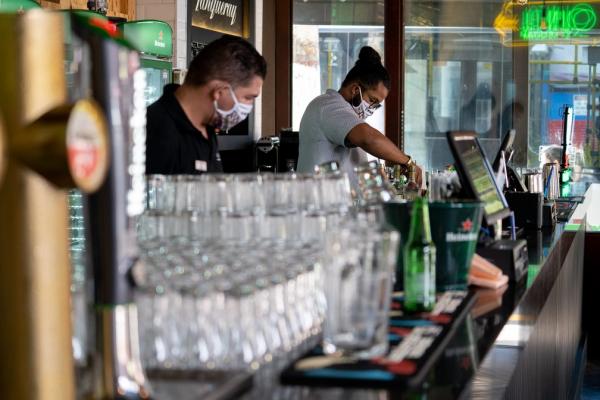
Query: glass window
column 563, row 57
column 458, row 76
column 327, row 37
column 156, row 79
column 563, row 75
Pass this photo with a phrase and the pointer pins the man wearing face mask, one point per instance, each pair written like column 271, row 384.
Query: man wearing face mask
column 334, row 123
column 218, row 92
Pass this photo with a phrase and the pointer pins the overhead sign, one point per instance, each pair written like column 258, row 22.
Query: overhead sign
column 149, row 37
column 557, row 21
column 225, row 16
column 545, row 21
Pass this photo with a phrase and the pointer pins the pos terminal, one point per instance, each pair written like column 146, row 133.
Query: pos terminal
column 478, row 182
column 528, row 206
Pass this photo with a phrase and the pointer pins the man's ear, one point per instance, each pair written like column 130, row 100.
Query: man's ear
column 216, row 88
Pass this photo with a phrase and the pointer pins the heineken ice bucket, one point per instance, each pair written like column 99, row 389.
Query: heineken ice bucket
column 454, row 230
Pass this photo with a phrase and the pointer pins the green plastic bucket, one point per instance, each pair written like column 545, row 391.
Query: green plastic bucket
column 454, row 230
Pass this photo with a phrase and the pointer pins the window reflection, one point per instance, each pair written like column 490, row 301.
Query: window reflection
column 458, row 76
column 560, row 75
column 327, row 37
column 156, row 79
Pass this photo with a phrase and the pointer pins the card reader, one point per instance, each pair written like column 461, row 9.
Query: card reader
column 508, row 255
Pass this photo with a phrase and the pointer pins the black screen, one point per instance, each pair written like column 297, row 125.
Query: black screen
column 506, row 147
column 476, row 175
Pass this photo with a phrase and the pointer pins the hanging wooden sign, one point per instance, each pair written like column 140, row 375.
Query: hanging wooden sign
column 225, row 16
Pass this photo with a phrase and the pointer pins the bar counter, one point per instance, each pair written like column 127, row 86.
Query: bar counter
column 527, row 345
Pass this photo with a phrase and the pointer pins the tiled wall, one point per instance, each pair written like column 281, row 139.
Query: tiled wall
column 180, row 35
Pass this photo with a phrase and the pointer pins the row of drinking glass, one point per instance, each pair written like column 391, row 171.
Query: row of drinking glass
column 222, row 305
column 249, row 194
column 226, row 307
column 231, row 264
column 249, row 230
column 249, row 208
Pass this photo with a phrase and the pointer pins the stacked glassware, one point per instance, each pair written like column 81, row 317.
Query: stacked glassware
column 231, row 266
column 78, row 276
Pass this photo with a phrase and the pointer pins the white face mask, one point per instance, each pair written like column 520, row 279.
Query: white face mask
column 230, row 118
column 364, row 109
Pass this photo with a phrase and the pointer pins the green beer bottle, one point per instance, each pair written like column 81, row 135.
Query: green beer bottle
column 419, row 261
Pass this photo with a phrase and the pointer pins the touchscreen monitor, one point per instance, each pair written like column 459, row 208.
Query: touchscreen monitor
column 476, row 175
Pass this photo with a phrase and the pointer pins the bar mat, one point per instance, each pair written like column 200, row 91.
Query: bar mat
column 198, row 384
column 416, row 342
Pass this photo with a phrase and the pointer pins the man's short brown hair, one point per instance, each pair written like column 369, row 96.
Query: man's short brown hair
column 229, row 59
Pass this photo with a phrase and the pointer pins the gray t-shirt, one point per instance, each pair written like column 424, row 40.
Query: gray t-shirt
column 323, row 129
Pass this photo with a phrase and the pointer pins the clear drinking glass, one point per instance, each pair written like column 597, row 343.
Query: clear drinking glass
column 160, row 193
column 336, row 193
column 357, row 277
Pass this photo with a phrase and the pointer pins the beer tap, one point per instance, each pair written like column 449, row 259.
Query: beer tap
column 118, row 85
column 49, row 144
column 2, row 148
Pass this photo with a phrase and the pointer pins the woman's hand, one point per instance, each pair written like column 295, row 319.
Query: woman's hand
column 419, row 173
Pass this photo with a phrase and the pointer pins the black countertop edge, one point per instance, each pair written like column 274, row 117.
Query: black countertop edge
column 499, row 361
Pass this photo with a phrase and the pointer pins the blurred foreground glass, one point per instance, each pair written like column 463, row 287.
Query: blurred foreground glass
column 160, row 193
column 373, row 185
column 357, row 279
column 231, row 266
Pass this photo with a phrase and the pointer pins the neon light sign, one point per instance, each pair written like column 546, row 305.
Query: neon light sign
column 561, row 22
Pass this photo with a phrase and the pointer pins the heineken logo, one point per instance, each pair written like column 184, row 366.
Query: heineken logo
column 467, row 225
column 160, row 42
column 465, row 235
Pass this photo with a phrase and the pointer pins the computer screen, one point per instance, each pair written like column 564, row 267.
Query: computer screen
column 507, row 147
column 476, row 175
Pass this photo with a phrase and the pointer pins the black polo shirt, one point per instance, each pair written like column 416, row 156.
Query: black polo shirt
column 173, row 144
